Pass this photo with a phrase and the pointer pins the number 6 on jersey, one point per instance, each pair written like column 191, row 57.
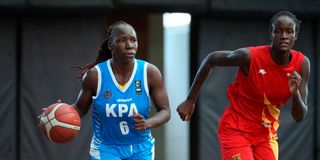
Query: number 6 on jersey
column 124, row 127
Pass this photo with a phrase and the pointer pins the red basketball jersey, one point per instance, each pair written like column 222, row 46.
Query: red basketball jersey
column 259, row 95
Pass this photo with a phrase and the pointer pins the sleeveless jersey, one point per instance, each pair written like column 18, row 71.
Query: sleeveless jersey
column 259, row 95
column 113, row 106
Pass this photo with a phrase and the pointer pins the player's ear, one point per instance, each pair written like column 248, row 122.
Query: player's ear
column 296, row 35
column 109, row 45
column 271, row 35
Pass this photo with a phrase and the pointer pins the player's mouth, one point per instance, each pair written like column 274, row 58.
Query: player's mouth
column 130, row 54
column 284, row 44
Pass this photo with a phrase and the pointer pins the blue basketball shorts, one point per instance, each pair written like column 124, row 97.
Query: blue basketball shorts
column 140, row 151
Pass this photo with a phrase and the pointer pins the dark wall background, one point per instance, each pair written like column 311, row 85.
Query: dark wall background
column 49, row 46
column 40, row 39
column 8, row 92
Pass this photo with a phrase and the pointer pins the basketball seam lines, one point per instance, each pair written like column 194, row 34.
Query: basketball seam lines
column 56, row 117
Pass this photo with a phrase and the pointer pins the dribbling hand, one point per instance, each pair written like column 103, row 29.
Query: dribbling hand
column 294, row 81
column 139, row 122
column 185, row 110
column 45, row 108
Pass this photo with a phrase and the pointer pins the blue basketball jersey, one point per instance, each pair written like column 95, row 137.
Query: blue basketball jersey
column 114, row 104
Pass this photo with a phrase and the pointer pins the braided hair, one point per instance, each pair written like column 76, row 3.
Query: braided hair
column 104, row 52
column 288, row 14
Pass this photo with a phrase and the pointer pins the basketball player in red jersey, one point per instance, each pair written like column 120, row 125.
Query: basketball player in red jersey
column 268, row 76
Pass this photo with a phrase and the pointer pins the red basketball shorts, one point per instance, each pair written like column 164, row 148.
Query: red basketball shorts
column 241, row 139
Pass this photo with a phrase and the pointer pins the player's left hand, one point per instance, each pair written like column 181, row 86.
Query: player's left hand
column 294, row 81
column 139, row 122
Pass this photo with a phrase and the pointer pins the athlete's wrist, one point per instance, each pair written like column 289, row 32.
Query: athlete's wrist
column 296, row 94
column 191, row 99
column 148, row 124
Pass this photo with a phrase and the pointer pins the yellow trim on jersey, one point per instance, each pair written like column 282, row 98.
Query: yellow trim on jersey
column 273, row 110
column 122, row 86
column 264, row 118
column 274, row 146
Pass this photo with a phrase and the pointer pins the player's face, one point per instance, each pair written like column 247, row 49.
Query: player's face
column 283, row 34
column 124, row 44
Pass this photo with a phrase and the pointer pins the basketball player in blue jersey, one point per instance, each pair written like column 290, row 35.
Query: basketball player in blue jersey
column 119, row 88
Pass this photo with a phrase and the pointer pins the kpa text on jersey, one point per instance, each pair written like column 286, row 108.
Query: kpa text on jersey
column 120, row 110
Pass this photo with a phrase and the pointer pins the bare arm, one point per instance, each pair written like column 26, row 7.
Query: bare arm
column 159, row 97
column 299, row 89
column 88, row 89
column 240, row 58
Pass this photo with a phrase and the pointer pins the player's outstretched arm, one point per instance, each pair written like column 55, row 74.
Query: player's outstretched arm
column 89, row 85
column 299, row 88
column 240, row 58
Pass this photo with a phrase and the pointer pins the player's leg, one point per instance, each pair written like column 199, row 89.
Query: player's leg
column 233, row 143
column 237, row 153
column 235, row 147
column 103, row 152
column 267, row 150
column 107, row 156
column 143, row 151
column 147, row 154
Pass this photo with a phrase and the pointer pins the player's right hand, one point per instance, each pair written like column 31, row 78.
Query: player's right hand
column 185, row 110
column 140, row 123
column 43, row 110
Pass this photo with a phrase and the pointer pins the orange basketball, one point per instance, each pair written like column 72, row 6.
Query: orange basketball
column 60, row 123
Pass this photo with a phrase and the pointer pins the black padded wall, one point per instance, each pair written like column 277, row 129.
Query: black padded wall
column 71, row 3
column 12, row 3
column 50, row 47
column 316, row 86
column 309, row 7
column 162, row 5
column 265, row 6
column 8, row 91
